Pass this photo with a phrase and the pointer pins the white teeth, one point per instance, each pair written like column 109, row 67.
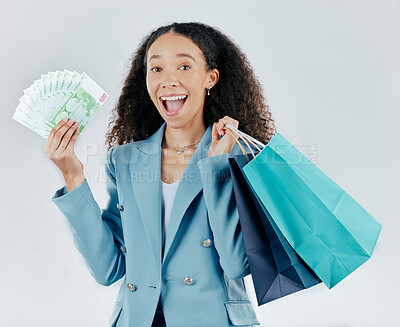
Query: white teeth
column 179, row 97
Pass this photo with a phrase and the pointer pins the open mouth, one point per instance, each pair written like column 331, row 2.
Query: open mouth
column 173, row 105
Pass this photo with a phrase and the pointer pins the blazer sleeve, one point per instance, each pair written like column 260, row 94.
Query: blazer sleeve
column 97, row 233
column 223, row 214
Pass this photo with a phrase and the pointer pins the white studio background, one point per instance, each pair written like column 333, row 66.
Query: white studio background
column 330, row 72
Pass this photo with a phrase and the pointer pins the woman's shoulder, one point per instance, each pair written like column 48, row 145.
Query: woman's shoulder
column 121, row 152
column 133, row 145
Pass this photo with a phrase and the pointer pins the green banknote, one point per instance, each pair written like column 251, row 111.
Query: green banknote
column 58, row 95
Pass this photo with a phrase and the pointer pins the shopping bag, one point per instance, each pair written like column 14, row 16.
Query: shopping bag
column 330, row 231
column 275, row 267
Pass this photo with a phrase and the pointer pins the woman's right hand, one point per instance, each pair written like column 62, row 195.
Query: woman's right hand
column 60, row 149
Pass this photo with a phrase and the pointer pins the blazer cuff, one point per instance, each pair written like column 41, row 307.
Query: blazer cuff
column 80, row 197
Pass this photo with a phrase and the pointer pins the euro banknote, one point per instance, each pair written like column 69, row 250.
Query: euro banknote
column 57, row 95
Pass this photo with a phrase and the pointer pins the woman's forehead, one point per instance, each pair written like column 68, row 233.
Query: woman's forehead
column 174, row 45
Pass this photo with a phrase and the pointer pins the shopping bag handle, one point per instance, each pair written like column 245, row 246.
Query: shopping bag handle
column 245, row 137
column 237, row 140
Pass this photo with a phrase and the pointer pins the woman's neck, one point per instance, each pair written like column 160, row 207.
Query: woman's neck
column 182, row 136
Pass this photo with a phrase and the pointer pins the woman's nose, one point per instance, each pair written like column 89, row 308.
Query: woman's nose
column 170, row 80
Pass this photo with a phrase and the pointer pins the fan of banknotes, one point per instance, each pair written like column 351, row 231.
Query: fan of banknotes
column 58, row 95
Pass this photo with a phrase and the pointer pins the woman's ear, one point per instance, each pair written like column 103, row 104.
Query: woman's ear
column 213, row 77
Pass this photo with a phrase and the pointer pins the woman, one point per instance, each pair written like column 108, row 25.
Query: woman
column 170, row 227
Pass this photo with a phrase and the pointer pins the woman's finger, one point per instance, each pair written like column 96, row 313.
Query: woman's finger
column 220, row 125
column 49, row 144
column 226, row 120
column 58, row 137
column 66, row 145
column 73, row 138
column 214, row 133
column 59, row 134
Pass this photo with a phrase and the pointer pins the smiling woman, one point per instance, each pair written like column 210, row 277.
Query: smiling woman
column 213, row 62
column 176, row 69
column 171, row 227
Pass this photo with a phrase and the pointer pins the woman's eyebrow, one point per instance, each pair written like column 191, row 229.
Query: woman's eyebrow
column 178, row 55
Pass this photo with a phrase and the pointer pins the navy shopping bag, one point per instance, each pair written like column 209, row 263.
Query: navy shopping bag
column 275, row 267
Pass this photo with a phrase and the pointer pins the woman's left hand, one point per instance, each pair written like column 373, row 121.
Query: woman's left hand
column 227, row 142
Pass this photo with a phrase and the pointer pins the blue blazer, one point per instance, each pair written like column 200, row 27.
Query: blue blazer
column 200, row 275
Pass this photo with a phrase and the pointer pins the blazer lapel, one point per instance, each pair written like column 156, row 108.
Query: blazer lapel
column 146, row 183
column 189, row 186
column 144, row 170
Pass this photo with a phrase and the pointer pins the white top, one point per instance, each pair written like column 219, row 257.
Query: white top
column 167, row 199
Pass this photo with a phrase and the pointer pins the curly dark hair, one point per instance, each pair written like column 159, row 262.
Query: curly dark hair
column 237, row 94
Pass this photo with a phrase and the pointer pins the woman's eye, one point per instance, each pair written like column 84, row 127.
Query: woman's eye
column 185, row 66
column 157, row 69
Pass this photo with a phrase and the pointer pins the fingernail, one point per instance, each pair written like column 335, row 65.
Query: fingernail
column 64, row 119
column 71, row 120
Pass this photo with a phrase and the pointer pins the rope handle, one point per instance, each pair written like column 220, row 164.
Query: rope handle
column 236, row 139
column 245, row 137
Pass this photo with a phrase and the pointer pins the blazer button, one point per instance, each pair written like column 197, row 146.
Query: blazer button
column 120, row 207
column 206, row 243
column 188, row 280
column 131, row 287
column 122, row 249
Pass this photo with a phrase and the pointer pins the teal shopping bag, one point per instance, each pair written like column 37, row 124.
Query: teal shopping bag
column 329, row 230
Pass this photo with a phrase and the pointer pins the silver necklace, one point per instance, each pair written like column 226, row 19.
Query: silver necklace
column 179, row 150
